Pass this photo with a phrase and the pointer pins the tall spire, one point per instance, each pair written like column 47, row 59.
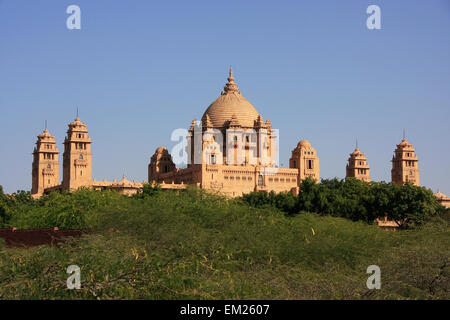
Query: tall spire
column 231, row 86
column 356, row 143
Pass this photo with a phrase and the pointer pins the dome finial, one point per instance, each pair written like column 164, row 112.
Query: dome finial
column 230, row 87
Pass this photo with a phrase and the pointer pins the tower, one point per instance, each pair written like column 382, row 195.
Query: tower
column 45, row 168
column 77, row 157
column 160, row 163
column 405, row 164
column 357, row 166
column 305, row 159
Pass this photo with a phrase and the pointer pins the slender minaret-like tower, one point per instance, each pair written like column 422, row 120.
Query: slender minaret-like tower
column 405, row 164
column 77, row 157
column 45, row 168
column 357, row 166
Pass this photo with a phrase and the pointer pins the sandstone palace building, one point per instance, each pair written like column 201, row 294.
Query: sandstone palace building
column 231, row 151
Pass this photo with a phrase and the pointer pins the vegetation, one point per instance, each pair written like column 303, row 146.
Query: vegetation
column 194, row 245
column 356, row 200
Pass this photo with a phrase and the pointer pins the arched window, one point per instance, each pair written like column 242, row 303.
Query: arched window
column 260, row 180
column 81, row 157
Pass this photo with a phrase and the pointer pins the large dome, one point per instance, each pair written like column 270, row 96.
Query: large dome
column 231, row 103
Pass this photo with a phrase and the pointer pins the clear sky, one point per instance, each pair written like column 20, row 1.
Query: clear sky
column 137, row 70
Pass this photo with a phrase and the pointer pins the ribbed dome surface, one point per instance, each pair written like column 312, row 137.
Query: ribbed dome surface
column 227, row 105
column 230, row 103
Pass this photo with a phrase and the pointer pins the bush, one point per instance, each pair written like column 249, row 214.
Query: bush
column 356, row 200
column 63, row 210
column 194, row 245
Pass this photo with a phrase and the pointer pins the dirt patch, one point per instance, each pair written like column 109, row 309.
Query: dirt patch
column 36, row 237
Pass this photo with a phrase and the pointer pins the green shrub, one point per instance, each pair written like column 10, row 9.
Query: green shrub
column 355, row 200
column 194, row 245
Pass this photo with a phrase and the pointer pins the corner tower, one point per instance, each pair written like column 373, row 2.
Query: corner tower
column 160, row 163
column 45, row 168
column 405, row 164
column 77, row 157
column 357, row 166
column 305, row 159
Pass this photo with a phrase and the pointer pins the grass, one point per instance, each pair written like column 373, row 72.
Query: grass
column 192, row 245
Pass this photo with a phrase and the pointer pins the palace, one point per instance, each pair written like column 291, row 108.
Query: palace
column 231, row 151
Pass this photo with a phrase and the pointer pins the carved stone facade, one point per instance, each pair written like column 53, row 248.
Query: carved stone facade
column 77, row 157
column 233, row 151
column 77, row 165
column 304, row 158
column 357, row 166
column 160, row 163
column 45, row 168
column 405, row 164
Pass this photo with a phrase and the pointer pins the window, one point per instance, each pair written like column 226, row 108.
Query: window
column 81, row 157
column 213, row 159
column 295, row 164
column 310, row 164
column 260, row 180
column 81, row 173
column 49, row 167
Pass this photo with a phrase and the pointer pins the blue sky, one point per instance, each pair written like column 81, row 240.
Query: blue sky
column 137, row 70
